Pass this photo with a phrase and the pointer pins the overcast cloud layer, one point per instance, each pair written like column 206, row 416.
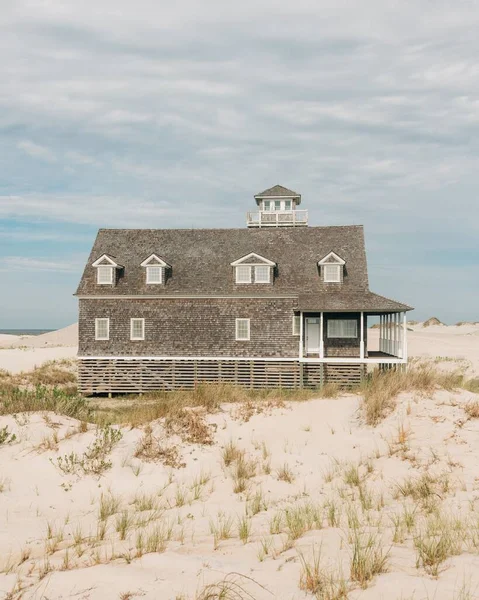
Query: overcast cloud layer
column 145, row 114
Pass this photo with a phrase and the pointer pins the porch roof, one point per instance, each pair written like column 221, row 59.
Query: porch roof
column 349, row 302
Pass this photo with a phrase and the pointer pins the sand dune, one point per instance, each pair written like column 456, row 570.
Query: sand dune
column 68, row 336
column 317, row 478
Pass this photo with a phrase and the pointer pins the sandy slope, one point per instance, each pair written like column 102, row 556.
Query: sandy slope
column 310, row 437
column 68, row 336
column 319, row 440
column 440, row 342
column 24, row 353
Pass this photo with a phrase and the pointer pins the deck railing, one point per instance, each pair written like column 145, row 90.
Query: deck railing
column 278, row 218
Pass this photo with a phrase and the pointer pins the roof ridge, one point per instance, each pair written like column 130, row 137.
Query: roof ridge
column 230, row 228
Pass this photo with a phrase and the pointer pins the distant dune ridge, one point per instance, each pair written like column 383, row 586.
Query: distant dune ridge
column 68, row 336
column 432, row 321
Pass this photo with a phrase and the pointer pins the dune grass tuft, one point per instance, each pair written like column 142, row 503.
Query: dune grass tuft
column 382, row 388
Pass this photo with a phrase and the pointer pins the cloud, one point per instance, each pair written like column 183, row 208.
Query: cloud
column 176, row 114
column 25, row 263
column 36, row 151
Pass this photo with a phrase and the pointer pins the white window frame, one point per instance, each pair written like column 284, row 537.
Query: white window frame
column 238, row 270
column 257, row 268
column 342, row 334
column 102, row 269
column 97, row 323
column 149, row 280
column 134, row 338
column 296, row 324
column 247, row 337
column 335, row 278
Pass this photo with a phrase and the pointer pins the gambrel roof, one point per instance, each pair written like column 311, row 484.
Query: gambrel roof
column 201, row 260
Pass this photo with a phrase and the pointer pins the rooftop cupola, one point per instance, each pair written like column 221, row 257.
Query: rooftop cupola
column 277, row 208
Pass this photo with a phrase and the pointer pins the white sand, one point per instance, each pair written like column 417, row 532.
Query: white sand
column 68, row 336
column 441, row 342
column 311, row 438
column 24, row 353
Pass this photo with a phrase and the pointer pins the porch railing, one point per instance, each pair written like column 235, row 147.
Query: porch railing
column 277, row 218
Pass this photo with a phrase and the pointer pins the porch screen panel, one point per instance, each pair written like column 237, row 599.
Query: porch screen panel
column 342, row 328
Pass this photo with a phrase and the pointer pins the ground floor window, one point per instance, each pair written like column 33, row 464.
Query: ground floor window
column 296, row 324
column 137, row 329
column 102, row 329
column 342, row 328
column 242, row 330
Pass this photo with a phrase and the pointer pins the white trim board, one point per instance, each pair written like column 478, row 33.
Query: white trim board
column 159, row 262
column 337, row 259
column 360, row 361
column 111, row 262
column 240, row 263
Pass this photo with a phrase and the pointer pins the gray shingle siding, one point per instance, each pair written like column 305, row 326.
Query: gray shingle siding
column 190, row 327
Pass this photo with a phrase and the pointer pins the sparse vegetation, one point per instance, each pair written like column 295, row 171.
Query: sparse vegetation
column 368, row 559
column 6, row 437
column 382, row 388
column 94, row 460
column 152, row 449
column 323, row 583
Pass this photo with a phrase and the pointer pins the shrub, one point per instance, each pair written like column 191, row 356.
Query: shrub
column 6, row 437
column 151, row 449
column 94, row 460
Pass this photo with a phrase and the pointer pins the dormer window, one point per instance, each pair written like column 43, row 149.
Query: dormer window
column 253, row 268
column 156, row 269
column 154, row 274
column 104, row 275
column 332, row 268
column 106, row 270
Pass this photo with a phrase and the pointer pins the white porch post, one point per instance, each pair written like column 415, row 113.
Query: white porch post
column 321, row 335
column 381, row 331
column 404, row 341
column 394, row 352
column 361, row 343
column 388, row 334
column 301, row 335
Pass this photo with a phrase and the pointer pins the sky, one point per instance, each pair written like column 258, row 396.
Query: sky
column 174, row 114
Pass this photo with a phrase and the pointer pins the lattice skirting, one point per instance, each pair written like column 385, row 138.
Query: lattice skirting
column 98, row 376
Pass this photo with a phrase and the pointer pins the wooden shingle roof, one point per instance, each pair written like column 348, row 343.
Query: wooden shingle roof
column 201, row 260
column 278, row 191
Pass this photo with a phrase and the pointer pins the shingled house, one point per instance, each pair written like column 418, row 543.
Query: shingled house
column 278, row 303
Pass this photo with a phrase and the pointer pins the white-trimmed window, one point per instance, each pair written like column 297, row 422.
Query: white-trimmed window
column 102, row 329
column 342, row 328
column 154, row 274
column 332, row 273
column 262, row 274
column 296, row 324
column 243, row 274
column 137, row 329
column 242, row 330
column 104, row 275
